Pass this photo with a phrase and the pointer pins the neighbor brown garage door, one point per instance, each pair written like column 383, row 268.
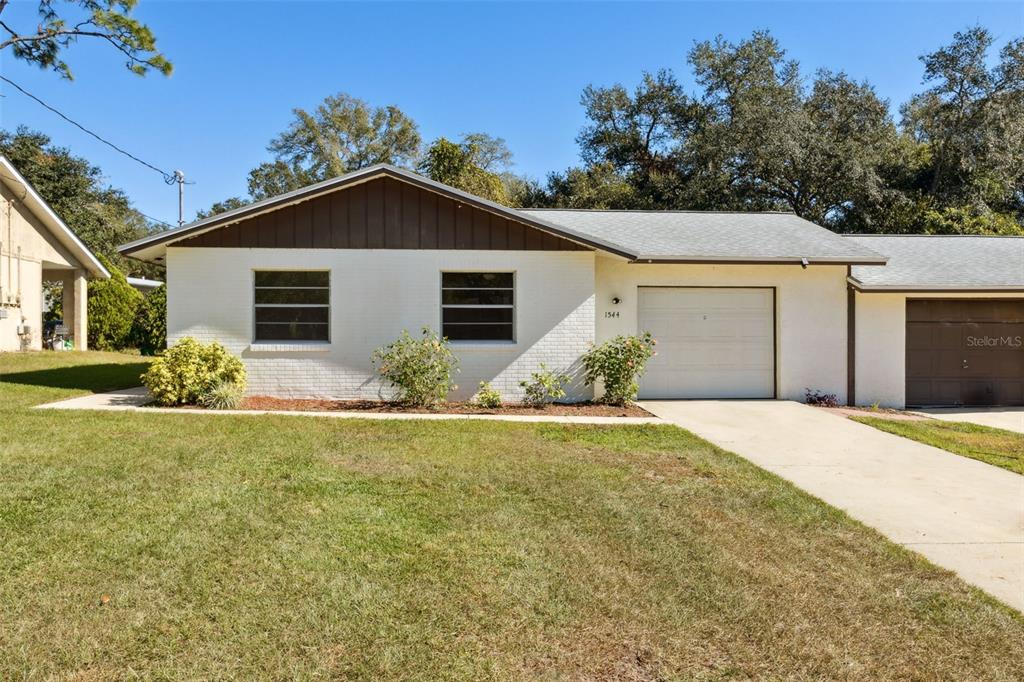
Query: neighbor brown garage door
column 965, row 352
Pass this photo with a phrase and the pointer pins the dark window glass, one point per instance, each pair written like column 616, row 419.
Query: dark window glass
column 461, row 315
column 302, row 278
column 318, row 314
column 478, row 332
column 477, row 297
column 478, row 306
column 474, row 280
column 292, row 332
column 292, row 306
column 293, row 296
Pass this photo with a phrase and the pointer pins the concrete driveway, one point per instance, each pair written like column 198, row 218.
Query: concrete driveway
column 1009, row 418
column 962, row 514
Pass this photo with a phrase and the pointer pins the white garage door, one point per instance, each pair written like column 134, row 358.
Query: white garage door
column 712, row 343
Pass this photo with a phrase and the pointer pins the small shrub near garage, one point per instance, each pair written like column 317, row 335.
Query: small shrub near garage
column 544, row 387
column 111, row 306
column 618, row 364
column 149, row 329
column 419, row 369
column 820, row 398
column 190, row 370
column 487, row 397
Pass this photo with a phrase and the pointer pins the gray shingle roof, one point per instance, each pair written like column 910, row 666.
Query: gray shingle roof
column 943, row 262
column 711, row 236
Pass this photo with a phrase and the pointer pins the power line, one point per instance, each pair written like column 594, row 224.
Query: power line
column 169, row 178
column 155, row 220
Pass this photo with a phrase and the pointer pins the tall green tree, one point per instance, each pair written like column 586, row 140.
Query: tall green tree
column 967, row 171
column 341, row 135
column 777, row 143
column 229, row 204
column 469, row 165
column 61, row 24
column 599, row 186
column 642, row 136
column 101, row 216
column 754, row 137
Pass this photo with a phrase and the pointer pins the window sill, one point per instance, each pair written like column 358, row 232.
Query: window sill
column 289, row 347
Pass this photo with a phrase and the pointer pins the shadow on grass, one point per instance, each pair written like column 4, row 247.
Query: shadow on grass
column 95, row 378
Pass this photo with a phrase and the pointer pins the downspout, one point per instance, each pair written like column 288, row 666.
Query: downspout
column 10, row 252
column 851, row 341
column 3, row 299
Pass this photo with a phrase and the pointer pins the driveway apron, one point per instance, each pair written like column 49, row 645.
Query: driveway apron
column 1008, row 418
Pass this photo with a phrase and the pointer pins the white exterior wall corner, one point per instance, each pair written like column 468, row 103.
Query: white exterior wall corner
column 880, row 357
column 375, row 294
column 810, row 312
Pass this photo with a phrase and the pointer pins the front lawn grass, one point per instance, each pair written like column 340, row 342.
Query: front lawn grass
column 990, row 445
column 179, row 546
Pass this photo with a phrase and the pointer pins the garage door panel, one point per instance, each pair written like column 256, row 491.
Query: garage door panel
column 712, row 343
column 965, row 352
column 1010, row 393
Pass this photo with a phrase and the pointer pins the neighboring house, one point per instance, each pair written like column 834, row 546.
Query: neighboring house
column 35, row 247
column 304, row 286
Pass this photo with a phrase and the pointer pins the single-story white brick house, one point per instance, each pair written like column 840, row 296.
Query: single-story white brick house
column 304, row 286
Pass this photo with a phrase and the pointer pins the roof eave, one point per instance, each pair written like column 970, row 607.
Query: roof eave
column 53, row 222
column 933, row 288
column 757, row 260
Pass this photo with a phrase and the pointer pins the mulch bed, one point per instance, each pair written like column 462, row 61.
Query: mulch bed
column 260, row 402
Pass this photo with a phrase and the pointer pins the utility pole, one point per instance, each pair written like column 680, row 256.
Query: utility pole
column 179, row 177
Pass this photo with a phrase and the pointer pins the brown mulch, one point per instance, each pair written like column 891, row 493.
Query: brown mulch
column 260, row 402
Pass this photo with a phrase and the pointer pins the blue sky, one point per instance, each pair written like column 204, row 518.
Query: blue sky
column 512, row 70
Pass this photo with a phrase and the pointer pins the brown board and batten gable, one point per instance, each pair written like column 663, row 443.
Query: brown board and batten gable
column 381, row 213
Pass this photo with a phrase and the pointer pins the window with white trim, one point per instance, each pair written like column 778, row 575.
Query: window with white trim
column 478, row 306
column 292, row 305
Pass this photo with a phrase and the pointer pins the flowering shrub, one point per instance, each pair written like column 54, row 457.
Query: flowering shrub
column 487, row 396
column 189, row 369
column 419, row 369
column 544, row 386
column 618, row 364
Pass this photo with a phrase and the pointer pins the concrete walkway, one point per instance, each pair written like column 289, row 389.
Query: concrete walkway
column 133, row 399
column 1009, row 418
column 962, row 514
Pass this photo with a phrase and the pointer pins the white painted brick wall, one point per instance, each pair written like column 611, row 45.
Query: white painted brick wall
column 375, row 294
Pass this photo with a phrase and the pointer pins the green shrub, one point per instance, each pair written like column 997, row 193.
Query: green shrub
column 189, row 370
column 223, row 395
column 149, row 330
column 487, row 397
column 544, row 386
column 618, row 364
column 111, row 311
column 420, row 369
